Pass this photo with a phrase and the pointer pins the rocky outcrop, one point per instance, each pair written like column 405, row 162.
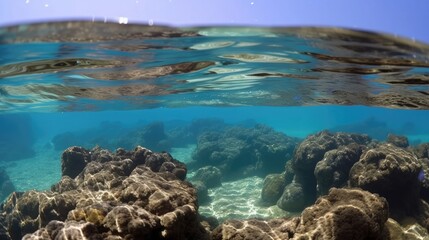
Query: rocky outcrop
column 294, row 198
column 205, row 178
column 391, row 172
column 240, row 152
column 342, row 214
column 409, row 230
column 274, row 185
column 253, row 229
column 314, row 149
column 126, row 195
column 399, row 141
column 74, row 160
column 422, row 150
column 209, row 175
column 345, row 214
column 333, row 170
column 3, row 229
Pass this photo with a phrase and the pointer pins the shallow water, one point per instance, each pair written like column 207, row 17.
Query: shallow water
column 252, row 95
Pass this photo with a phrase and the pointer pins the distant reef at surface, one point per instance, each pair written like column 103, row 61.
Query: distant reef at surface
column 17, row 137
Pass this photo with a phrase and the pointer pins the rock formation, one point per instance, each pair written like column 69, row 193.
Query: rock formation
column 240, row 152
column 340, row 149
column 126, row 195
column 342, row 214
column 392, row 172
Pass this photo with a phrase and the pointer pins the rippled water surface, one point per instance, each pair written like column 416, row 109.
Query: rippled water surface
column 97, row 66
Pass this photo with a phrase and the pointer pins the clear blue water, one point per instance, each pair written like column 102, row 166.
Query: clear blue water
column 101, row 82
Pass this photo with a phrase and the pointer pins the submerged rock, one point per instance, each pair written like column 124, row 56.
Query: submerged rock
column 391, row 172
column 274, row 185
column 74, row 160
column 410, row 231
column 134, row 195
column 202, row 192
column 422, row 150
column 343, row 214
column 333, row 170
column 253, row 229
column 210, row 176
column 3, row 229
column 241, row 152
column 399, row 141
column 293, row 198
column 304, row 162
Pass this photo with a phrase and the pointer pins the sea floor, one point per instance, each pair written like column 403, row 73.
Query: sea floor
column 39, row 172
column 239, row 200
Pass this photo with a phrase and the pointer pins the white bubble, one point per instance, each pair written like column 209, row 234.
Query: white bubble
column 46, row 5
column 27, row 1
column 123, row 20
column 150, row 22
column 252, row 3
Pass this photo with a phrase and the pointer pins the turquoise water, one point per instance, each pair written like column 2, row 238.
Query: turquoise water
column 91, row 84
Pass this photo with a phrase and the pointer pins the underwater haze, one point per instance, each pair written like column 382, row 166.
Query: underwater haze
column 115, row 131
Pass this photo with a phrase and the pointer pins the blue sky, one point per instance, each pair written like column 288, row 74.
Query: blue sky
column 405, row 18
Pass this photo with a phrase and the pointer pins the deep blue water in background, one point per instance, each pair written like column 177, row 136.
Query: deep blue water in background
column 293, row 121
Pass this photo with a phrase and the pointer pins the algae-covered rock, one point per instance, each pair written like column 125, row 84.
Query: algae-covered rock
column 242, row 152
column 344, row 214
column 209, row 175
column 391, row 172
column 307, row 155
column 293, row 198
column 272, row 190
column 333, row 170
column 399, row 141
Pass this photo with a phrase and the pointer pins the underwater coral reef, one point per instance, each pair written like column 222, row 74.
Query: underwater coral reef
column 331, row 185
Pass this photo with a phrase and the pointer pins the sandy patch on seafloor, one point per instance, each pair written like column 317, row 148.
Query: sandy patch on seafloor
column 239, row 200
column 39, row 172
